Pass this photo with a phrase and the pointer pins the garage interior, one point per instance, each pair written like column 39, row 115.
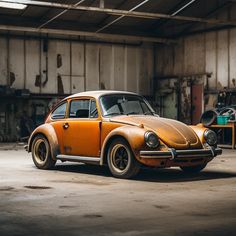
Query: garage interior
column 179, row 54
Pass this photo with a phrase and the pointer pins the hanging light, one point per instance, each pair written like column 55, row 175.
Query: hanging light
column 16, row 4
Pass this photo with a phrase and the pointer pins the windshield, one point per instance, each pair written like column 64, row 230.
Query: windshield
column 124, row 104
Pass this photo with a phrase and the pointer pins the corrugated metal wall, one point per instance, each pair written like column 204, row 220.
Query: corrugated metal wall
column 68, row 67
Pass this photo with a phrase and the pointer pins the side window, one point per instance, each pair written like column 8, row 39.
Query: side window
column 93, row 109
column 79, row 108
column 59, row 112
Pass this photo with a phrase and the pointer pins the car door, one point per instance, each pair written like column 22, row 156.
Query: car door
column 57, row 120
column 81, row 135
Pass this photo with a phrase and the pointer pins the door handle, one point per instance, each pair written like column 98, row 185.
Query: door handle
column 65, row 125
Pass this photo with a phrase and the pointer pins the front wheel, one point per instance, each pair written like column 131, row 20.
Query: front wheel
column 121, row 160
column 41, row 153
column 193, row 169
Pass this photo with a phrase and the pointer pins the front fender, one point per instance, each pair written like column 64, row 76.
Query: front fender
column 134, row 136
column 48, row 131
column 199, row 130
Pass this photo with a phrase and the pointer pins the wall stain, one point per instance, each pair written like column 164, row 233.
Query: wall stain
column 92, row 216
column 37, row 82
column 59, row 60
column 102, row 86
column 60, row 88
column 37, row 187
column 12, row 78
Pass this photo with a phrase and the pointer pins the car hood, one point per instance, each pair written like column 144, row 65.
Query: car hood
column 173, row 133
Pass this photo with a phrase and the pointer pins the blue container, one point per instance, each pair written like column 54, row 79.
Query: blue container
column 222, row 120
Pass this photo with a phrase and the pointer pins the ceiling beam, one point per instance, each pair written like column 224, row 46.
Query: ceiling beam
column 122, row 16
column 190, row 27
column 115, row 37
column 107, row 17
column 60, row 14
column 159, row 23
column 145, row 15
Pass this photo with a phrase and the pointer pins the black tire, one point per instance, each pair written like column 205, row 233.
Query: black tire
column 193, row 169
column 41, row 153
column 121, row 160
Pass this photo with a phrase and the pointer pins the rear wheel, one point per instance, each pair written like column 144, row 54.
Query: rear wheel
column 193, row 169
column 121, row 160
column 41, row 153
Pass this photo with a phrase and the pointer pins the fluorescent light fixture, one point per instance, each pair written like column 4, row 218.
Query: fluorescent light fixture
column 15, row 5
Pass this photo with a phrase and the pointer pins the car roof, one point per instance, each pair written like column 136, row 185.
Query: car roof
column 96, row 94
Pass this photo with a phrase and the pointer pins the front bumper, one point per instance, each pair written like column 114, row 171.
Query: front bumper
column 173, row 154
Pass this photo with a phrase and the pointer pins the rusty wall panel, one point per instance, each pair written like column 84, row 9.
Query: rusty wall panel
column 168, row 60
column 146, row 70
column 63, row 60
column 222, row 61
column 49, row 73
column 131, row 69
column 232, row 58
column 92, row 67
column 211, row 58
column 119, row 67
column 165, row 59
column 61, row 67
column 3, row 61
column 106, row 67
column 33, row 65
column 194, row 55
column 77, row 57
column 178, row 58
column 16, row 63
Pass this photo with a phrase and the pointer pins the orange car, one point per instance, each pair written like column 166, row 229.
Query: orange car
column 121, row 130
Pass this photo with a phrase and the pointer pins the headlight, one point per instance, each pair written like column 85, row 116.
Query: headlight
column 210, row 137
column 151, row 139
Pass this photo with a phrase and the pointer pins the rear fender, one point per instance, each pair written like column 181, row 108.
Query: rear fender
column 48, row 131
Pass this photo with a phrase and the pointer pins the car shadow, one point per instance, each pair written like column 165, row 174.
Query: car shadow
column 150, row 175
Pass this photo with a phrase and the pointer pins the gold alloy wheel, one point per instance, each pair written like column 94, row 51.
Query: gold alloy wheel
column 40, row 151
column 120, row 158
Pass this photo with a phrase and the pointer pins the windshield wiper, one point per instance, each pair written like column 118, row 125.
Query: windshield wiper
column 132, row 113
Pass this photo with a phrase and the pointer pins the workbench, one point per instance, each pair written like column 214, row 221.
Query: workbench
column 229, row 125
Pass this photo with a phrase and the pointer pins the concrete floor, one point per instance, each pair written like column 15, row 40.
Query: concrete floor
column 77, row 199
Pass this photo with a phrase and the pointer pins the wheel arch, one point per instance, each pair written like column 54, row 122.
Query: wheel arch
column 134, row 136
column 49, row 133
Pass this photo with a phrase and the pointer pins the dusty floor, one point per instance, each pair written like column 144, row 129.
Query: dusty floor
column 79, row 199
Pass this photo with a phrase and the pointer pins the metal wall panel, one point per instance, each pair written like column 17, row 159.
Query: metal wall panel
column 63, row 60
column 211, row 58
column 213, row 52
column 232, row 58
column 106, row 67
column 92, row 67
column 3, row 61
column 33, row 65
column 16, row 63
column 119, row 67
column 145, row 70
column 131, row 69
column 222, row 54
column 194, row 55
column 77, row 60
column 64, row 67
column 178, row 57
column 49, row 68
